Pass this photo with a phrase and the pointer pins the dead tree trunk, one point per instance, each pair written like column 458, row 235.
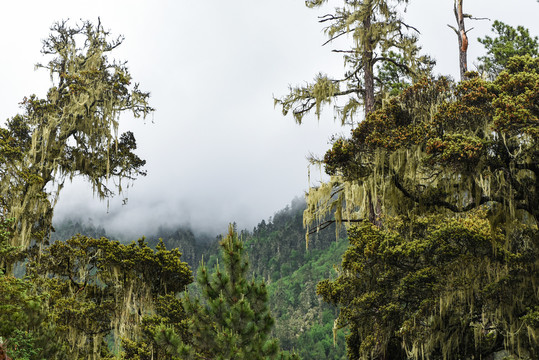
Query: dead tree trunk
column 463, row 38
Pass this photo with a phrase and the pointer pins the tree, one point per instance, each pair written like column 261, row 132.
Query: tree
column 507, row 43
column 462, row 37
column 99, row 287
column 26, row 332
column 232, row 320
column 380, row 41
column 409, row 292
column 71, row 132
column 445, row 149
column 442, row 146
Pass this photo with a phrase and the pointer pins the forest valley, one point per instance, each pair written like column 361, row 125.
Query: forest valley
column 423, row 243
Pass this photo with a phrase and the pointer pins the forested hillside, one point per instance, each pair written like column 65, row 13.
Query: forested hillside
column 277, row 253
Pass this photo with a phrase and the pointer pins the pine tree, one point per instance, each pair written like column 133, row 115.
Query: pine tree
column 381, row 41
column 507, row 43
column 383, row 59
column 232, row 319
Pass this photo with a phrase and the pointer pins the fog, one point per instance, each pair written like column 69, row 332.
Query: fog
column 217, row 150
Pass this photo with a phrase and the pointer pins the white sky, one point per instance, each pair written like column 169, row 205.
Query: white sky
column 217, row 150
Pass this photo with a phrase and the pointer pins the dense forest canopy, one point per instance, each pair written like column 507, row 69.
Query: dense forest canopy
column 432, row 173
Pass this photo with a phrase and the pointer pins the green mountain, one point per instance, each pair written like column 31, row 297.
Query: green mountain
column 278, row 254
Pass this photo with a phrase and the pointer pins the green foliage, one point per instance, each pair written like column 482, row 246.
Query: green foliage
column 24, row 324
column 443, row 146
column 192, row 245
column 303, row 322
column 98, row 286
column 508, row 42
column 232, row 320
column 81, row 294
column 435, row 155
column 383, row 57
column 277, row 253
column 161, row 333
column 71, row 132
column 412, row 284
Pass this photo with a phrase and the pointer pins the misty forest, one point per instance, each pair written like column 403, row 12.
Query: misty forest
column 421, row 243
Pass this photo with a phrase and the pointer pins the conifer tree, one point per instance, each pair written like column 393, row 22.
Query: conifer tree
column 232, row 319
column 507, row 43
column 380, row 39
column 383, row 58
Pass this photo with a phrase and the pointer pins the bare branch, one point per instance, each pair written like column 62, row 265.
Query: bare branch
column 338, row 36
column 454, row 29
column 468, row 16
column 394, row 62
column 344, row 51
column 409, row 26
column 329, row 17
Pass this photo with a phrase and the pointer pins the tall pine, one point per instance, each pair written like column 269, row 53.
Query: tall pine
column 232, row 319
column 381, row 43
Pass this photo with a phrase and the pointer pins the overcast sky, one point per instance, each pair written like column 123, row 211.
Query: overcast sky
column 217, row 150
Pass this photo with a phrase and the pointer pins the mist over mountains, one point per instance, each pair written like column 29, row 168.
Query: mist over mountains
column 130, row 222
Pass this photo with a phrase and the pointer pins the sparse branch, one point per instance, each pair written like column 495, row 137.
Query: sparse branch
column 308, row 104
column 394, row 62
column 353, row 73
column 329, row 17
column 349, row 91
column 344, row 51
column 468, row 16
column 338, row 36
column 408, row 26
column 454, row 29
column 305, row 107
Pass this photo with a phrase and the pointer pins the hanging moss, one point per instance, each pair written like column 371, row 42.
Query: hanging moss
column 437, row 287
column 444, row 147
column 99, row 287
column 73, row 131
column 382, row 52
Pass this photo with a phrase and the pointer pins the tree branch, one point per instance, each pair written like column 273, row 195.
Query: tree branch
column 338, row 35
column 409, row 26
column 327, row 223
column 439, row 202
column 329, row 17
column 394, row 62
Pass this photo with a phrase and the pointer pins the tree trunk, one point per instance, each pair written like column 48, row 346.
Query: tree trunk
column 463, row 39
column 368, row 77
column 368, row 97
